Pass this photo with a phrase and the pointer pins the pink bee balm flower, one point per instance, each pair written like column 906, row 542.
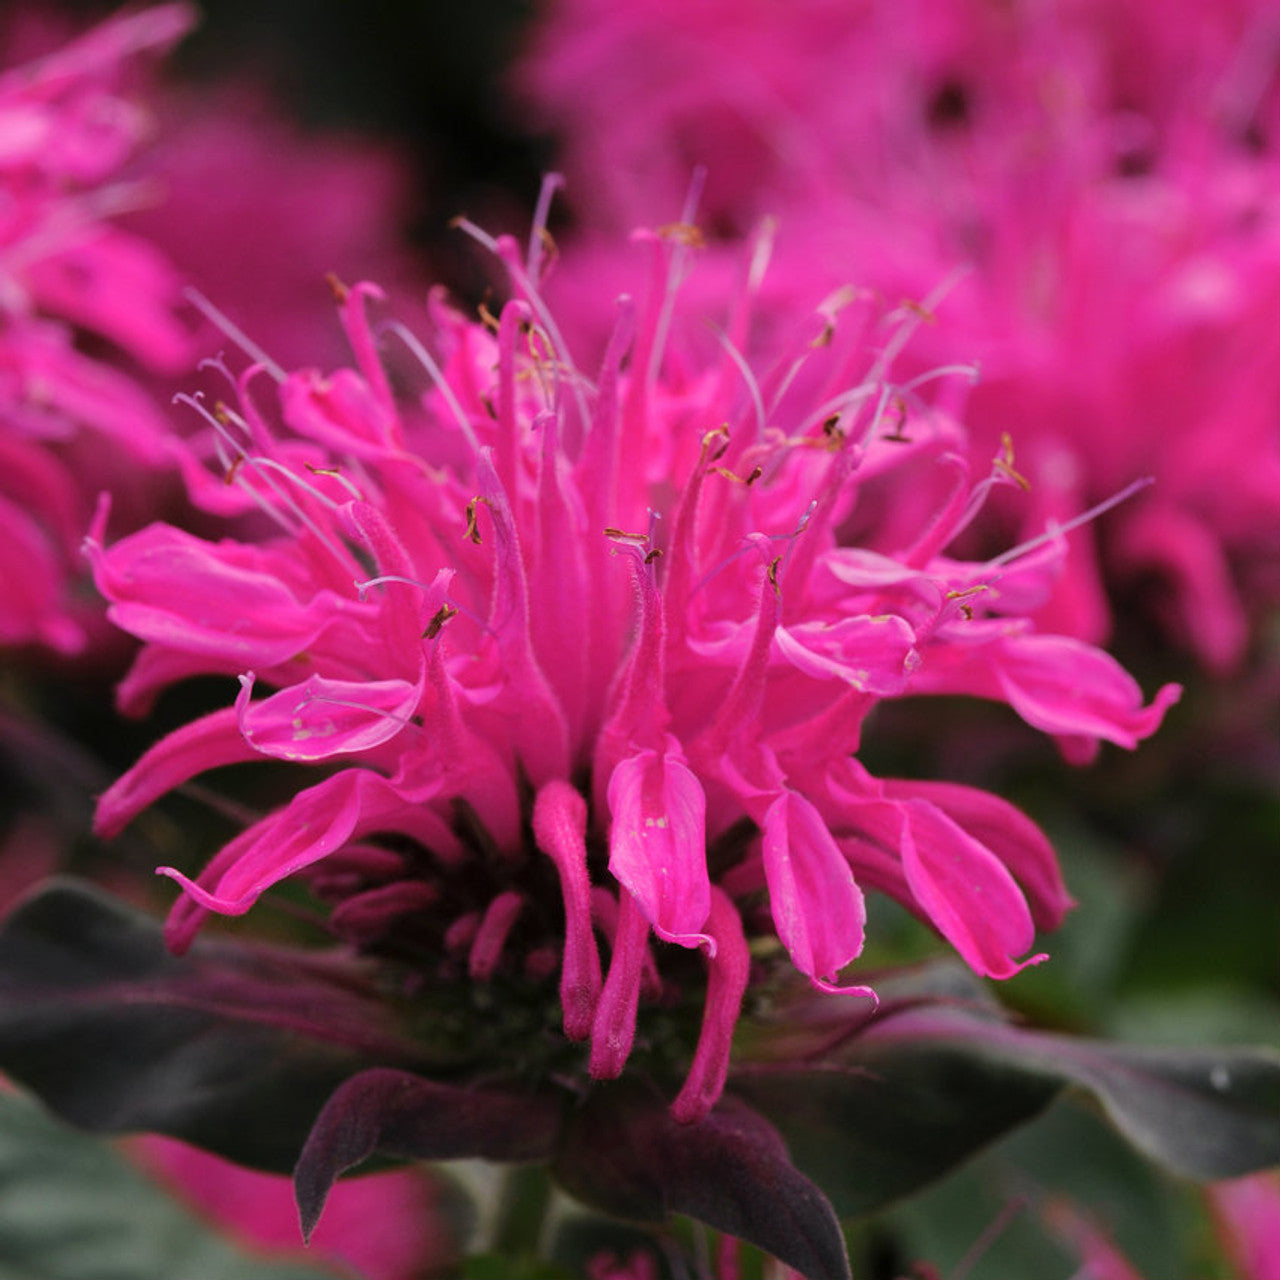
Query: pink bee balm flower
column 98, row 234
column 1247, row 1213
column 386, row 1226
column 67, row 128
column 256, row 210
column 584, row 659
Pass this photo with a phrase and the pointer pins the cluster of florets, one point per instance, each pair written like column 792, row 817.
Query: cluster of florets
column 526, row 619
column 114, row 194
column 1109, row 176
column 66, row 271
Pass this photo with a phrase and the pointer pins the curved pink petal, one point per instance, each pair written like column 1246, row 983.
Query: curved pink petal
column 1068, row 688
column 321, row 718
column 866, row 653
column 1019, row 844
column 207, row 743
column 224, row 600
column 966, row 891
column 658, row 843
column 817, row 907
column 316, row 823
column 727, row 972
column 560, row 828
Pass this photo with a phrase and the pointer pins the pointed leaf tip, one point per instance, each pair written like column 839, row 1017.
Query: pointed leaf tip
column 407, row 1116
column 624, row 1152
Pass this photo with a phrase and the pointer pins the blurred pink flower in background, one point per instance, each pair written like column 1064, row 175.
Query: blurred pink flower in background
column 114, row 195
column 385, row 1226
column 1111, row 178
column 66, row 271
column 256, row 211
column 1247, row 1213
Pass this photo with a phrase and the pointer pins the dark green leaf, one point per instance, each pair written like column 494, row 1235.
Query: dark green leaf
column 72, row 1208
column 232, row 1048
column 412, row 1118
column 1205, row 1113
column 902, row 1118
column 622, row 1151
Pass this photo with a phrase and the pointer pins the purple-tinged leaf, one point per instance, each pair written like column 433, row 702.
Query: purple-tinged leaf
column 232, row 1048
column 403, row 1115
column 939, row 1074
column 1202, row 1112
column 622, row 1151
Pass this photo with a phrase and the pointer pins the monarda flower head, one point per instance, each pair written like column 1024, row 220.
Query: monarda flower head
column 582, row 660
column 67, row 129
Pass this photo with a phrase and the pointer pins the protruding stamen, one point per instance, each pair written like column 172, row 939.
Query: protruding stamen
column 540, row 240
column 233, row 331
column 1061, row 530
column 436, row 374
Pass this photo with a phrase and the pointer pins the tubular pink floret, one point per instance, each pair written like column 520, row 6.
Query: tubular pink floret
column 728, row 967
column 614, row 1028
column 559, row 827
column 207, row 743
column 495, row 924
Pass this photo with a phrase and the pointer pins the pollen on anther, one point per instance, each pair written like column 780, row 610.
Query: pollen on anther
column 688, row 234
column 473, row 527
column 896, row 434
column 438, row 619
column 1004, row 463
column 336, row 287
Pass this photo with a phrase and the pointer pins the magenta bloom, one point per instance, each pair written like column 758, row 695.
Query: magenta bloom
column 384, row 1227
column 1247, row 1213
column 107, row 209
column 1107, row 173
column 585, row 659
column 66, row 271
column 256, row 210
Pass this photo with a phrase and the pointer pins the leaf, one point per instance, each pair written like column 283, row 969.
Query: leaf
column 939, row 1076
column 901, row 1118
column 622, row 1151
column 1206, row 1113
column 72, row 1208
column 231, row 1048
column 407, row 1116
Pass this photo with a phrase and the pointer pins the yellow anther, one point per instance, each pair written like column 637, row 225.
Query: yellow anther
column 916, row 309
column 1003, row 462
column 685, row 233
